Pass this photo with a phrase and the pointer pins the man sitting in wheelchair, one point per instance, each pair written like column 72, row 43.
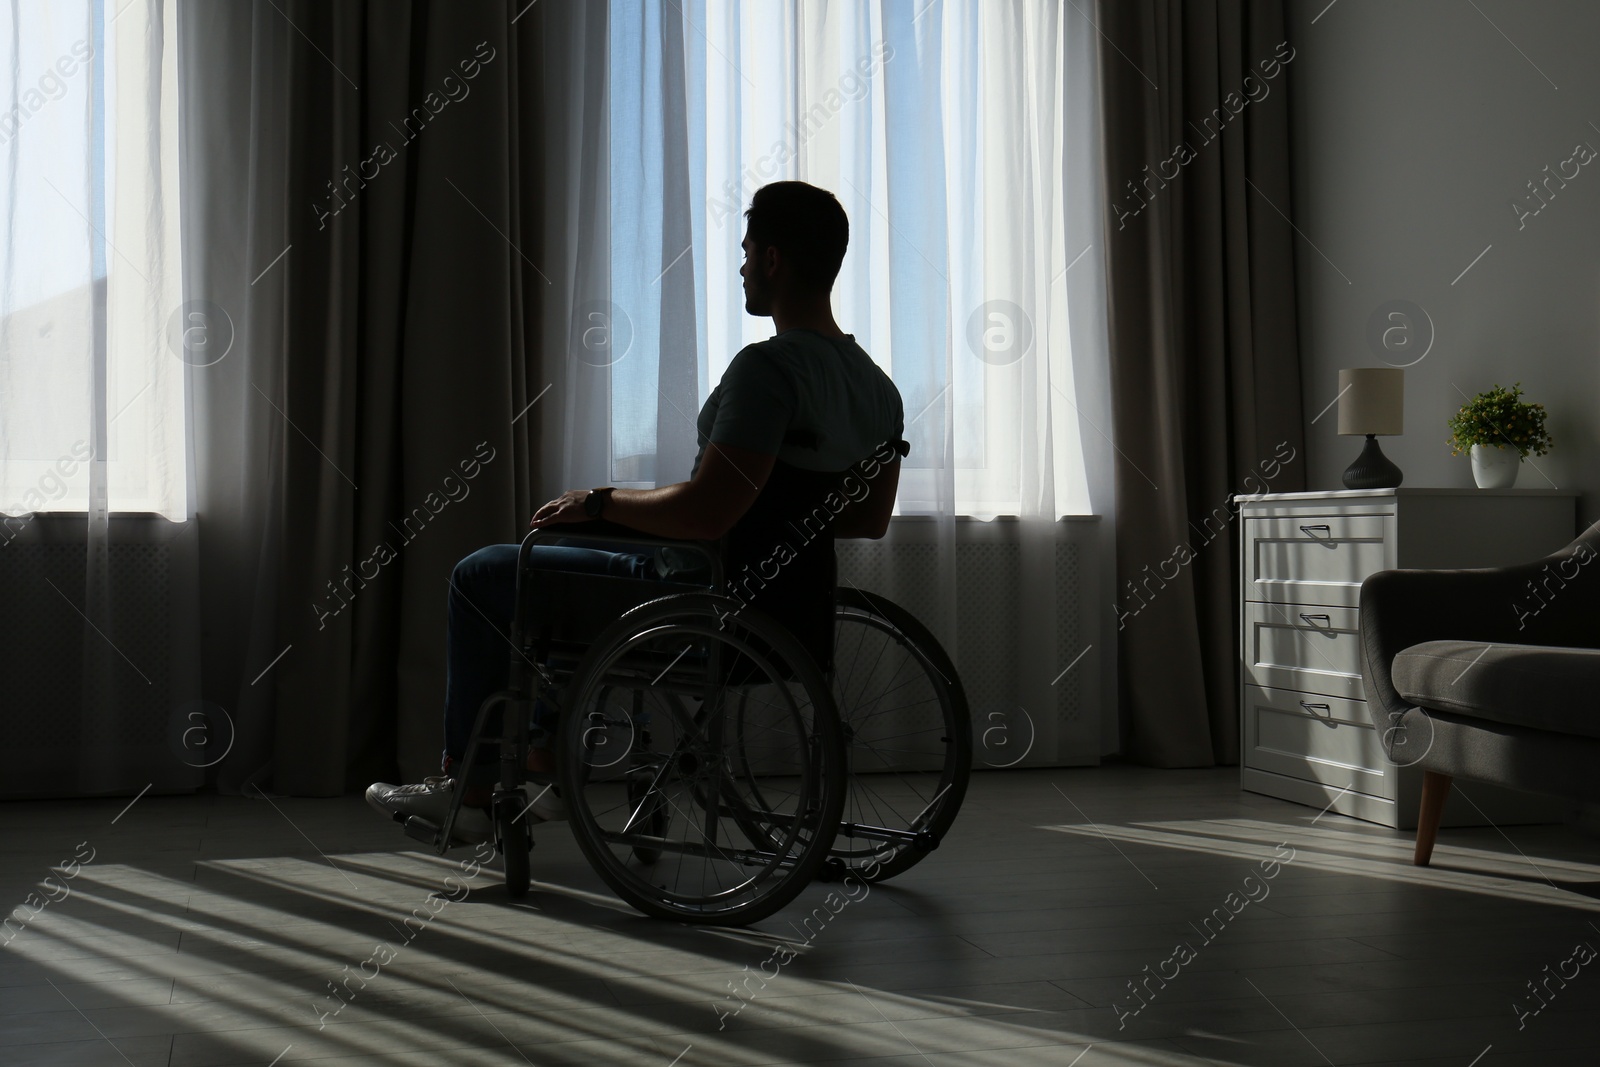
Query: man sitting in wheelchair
column 799, row 443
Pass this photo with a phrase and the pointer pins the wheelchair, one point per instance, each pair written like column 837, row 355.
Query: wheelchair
column 710, row 767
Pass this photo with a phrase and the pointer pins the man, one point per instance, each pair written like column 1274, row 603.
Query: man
column 790, row 415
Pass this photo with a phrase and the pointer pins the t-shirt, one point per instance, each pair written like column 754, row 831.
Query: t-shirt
column 817, row 403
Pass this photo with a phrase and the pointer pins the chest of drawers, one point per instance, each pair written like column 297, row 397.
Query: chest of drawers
column 1305, row 733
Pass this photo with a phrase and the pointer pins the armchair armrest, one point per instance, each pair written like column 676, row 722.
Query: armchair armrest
column 1551, row 601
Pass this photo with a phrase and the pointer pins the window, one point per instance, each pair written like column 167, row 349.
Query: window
column 940, row 127
column 92, row 346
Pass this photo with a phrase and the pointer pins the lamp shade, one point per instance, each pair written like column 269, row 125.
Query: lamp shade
column 1372, row 400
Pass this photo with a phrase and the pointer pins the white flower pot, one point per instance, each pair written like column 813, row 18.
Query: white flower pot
column 1495, row 466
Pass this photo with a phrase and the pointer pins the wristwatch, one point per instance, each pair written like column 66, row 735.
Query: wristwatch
column 595, row 502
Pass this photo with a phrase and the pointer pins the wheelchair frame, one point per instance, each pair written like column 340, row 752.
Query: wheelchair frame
column 902, row 845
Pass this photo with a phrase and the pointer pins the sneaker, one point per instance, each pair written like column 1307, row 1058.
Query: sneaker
column 430, row 799
column 547, row 804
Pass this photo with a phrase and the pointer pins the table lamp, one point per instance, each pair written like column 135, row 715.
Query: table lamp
column 1372, row 402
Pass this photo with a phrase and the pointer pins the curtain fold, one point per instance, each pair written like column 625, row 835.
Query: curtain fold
column 1204, row 352
column 362, row 201
column 580, row 332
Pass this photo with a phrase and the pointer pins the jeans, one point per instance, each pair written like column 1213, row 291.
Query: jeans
column 482, row 600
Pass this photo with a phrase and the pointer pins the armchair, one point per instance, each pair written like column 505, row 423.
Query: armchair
column 1491, row 675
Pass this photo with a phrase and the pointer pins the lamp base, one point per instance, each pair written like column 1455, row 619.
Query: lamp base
column 1372, row 469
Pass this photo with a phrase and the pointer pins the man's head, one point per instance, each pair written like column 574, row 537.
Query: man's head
column 795, row 237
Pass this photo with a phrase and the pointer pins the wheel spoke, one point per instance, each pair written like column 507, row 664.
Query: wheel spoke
column 720, row 813
column 906, row 719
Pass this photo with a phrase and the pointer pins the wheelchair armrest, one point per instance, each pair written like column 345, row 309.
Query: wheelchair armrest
column 602, row 533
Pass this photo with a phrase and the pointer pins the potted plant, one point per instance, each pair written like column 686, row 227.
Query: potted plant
column 1498, row 429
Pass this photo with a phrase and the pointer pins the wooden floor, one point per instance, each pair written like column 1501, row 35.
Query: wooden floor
column 207, row 931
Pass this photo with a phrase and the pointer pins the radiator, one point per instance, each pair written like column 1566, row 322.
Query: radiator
column 69, row 732
column 1016, row 707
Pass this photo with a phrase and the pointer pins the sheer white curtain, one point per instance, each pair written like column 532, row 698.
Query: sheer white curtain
column 941, row 130
column 92, row 334
column 960, row 137
column 94, row 350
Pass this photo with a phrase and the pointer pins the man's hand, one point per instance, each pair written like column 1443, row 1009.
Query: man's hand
column 702, row 509
column 568, row 507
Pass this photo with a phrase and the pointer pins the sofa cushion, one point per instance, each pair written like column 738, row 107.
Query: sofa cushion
column 1535, row 686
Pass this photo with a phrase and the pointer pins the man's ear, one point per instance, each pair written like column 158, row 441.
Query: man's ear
column 771, row 261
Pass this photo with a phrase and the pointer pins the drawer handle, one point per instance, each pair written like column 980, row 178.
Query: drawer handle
column 1325, row 719
column 1325, row 528
column 1309, row 620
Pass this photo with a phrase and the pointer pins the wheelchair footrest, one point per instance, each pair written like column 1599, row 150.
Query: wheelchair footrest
column 421, row 829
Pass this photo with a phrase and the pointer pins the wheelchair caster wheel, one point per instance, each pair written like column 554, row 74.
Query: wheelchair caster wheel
column 833, row 869
column 514, row 842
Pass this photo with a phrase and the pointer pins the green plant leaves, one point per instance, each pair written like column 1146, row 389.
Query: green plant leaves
column 1499, row 417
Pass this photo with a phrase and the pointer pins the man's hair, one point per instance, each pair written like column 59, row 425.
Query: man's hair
column 808, row 227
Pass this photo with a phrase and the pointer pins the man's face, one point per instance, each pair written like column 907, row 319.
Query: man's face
column 757, row 294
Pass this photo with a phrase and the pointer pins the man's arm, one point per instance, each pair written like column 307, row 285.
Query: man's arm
column 869, row 516
column 704, row 508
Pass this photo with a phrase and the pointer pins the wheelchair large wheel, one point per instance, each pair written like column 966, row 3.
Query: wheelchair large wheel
column 908, row 736
column 701, row 761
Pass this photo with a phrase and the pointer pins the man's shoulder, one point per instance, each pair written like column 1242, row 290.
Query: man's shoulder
column 780, row 349
column 782, row 357
column 759, row 361
column 769, row 352
column 806, row 353
column 807, row 362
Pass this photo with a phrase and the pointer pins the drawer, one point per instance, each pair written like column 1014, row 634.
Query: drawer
column 1304, row 647
column 1323, row 739
column 1315, row 559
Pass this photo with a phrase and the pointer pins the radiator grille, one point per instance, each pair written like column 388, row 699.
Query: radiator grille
column 90, row 698
column 1071, row 641
column 989, row 631
column 42, row 644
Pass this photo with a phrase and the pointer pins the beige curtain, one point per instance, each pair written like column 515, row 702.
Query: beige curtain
column 1204, row 352
column 363, row 195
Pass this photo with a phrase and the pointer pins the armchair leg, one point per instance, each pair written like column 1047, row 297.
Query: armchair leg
column 1435, row 790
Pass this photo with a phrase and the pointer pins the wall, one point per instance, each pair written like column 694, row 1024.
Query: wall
column 1417, row 125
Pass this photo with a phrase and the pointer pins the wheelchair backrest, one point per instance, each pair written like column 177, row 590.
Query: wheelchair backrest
column 779, row 557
